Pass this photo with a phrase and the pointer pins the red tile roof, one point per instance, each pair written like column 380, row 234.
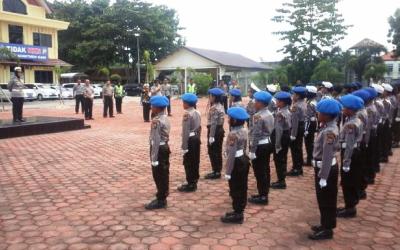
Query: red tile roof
column 390, row 57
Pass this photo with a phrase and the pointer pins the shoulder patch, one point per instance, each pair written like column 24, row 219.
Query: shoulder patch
column 350, row 128
column 293, row 109
column 257, row 118
column 186, row 116
column 330, row 138
column 232, row 139
column 155, row 123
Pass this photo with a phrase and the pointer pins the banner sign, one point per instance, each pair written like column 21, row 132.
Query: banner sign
column 27, row 52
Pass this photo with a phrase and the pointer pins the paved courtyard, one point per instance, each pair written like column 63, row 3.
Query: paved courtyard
column 87, row 189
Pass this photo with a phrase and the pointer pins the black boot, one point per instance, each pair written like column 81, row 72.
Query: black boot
column 258, row 199
column 308, row 163
column 187, row 188
column 156, row 204
column 362, row 195
column 317, row 228
column 278, row 185
column 233, row 218
column 323, row 234
column 295, row 172
column 213, row 176
column 346, row 212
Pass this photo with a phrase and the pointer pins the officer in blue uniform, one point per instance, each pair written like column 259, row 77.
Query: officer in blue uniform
column 159, row 151
column 237, row 164
column 326, row 145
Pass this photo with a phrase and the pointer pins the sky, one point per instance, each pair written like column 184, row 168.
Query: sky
column 245, row 26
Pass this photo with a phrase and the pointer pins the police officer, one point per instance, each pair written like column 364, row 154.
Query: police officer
column 362, row 114
column 372, row 156
column 191, row 131
column 394, row 101
column 119, row 94
column 215, row 132
column 159, row 151
column 325, row 91
column 310, row 122
column 326, row 168
column 16, row 86
column 272, row 88
column 380, row 117
column 350, row 138
column 237, row 164
column 389, row 110
column 261, row 147
column 108, row 102
column 396, row 136
column 88, row 94
column 281, row 137
column 298, row 110
column 250, row 105
column 236, row 98
column 145, row 100
column 78, row 94
column 192, row 88
column 166, row 91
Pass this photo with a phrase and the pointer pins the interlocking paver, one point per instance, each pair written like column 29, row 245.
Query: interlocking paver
column 54, row 198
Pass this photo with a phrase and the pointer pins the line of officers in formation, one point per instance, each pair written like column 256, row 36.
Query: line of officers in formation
column 361, row 125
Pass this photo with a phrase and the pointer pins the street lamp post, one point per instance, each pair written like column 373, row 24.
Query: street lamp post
column 137, row 35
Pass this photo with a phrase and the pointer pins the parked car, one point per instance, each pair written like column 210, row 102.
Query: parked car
column 132, row 89
column 98, row 90
column 67, row 90
column 66, row 93
column 29, row 94
column 174, row 90
column 4, row 92
column 43, row 91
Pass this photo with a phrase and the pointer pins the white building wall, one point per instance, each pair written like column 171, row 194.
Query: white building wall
column 393, row 70
column 184, row 58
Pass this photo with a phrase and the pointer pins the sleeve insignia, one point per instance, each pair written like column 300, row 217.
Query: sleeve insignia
column 232, row 139
column 293, row 109
column 186, row 116
column 350, row 128
column 256, row 118
column 154, row 124
column 330, row 138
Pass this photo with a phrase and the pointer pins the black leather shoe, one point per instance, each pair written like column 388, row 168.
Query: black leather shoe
column 362, row 195
column 294, row 172
column 325, row 234
column 233, row 218
column 156, row 204
column 187, row 188
column 278, row 185
column 213, row 176
column 317, row 228
column 258, row 199
column 346, row 213
column 22, row 120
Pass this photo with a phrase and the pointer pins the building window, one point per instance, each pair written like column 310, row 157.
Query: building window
column 15, row 6
column 389, row 68
column 40, row 39
column 43, row 76
column 16, row 34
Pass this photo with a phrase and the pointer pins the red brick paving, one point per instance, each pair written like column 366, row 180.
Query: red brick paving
column 86, row 190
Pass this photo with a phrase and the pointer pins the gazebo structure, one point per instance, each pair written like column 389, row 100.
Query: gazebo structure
column 367, row 44
column 217, row 63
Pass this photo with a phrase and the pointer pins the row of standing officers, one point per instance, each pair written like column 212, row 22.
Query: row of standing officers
column 361, row 126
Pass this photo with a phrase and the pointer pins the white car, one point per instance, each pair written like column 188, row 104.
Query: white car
column 67, row 90
column 43, row 91
column 29, row 94
column 4, row 92
column 98, row 90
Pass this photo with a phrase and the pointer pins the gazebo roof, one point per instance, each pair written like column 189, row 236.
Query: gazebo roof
column 366, row 44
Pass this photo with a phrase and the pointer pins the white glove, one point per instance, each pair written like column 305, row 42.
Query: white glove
column 211, row 140
column 278, row 150
column 305, row 133
column 252, row 156
column 184, row 151
column 227, row 177
column 322, row 183
column 346, row 169
column 154, row 163
column 292, row 138
column 397, row 119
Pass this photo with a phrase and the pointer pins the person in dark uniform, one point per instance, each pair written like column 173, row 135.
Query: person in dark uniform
column 159, row 151
column 237, row 164
column 281, row 137
column 191, row 132
column 78, row 94
column 88, row 94
column 363, row 115
column 310, row 122
column 16, row 86
column 261, row 147
column 372, row 158
column 325, row 165
column 299, row 109
column 145, row 100
column 350, row 139
column 215, row 132
column 108, row 102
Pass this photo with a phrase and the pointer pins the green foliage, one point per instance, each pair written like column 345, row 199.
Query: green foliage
column 375, row 71
column 315, row 27
column 203, row 82
column 394, row 31
column 115, row 78
column 261, row 78
column 104, row 71
column 325, row 71
column 149, row 66
column 7, row 55
column 367, row 56
column 279, row 75
column 103, row 34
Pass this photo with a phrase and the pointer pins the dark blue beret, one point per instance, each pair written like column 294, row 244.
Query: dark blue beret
column 159, row 101
column 329, row 106
column 352, row 102
column 189, row 98
column 235, row 92
column 363, row 94
column 238, row 113
column 216, row 91
column 299, row 90
column 263, row 96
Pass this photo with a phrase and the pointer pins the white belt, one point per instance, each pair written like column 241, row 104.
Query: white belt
column 318, row 164
column 192, row 134
column 356, row 145
column 313, row 119
column 264, row 141
column 162, row 143
column 239, row 153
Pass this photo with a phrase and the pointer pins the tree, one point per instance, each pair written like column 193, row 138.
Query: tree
column 279, row 75
column 394, row 31
column 316, row 26
column 149, row 66
column 375, row 71
column 7, row 55
column 261, row 78
column 326, row 71
column 203, row 82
